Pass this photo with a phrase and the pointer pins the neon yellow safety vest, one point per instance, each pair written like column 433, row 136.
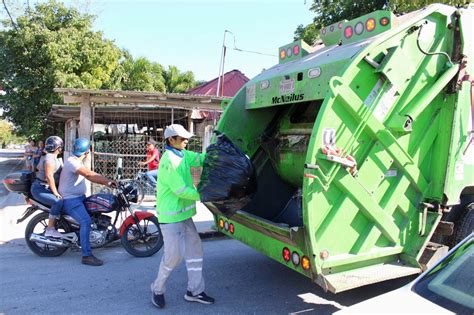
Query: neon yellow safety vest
column 175, row 192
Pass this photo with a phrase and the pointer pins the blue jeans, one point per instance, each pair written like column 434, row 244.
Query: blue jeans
column 76, row 209
column 152, row 175
column 45, row 196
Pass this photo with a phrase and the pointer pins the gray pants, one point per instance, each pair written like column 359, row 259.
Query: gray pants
column 181, row 239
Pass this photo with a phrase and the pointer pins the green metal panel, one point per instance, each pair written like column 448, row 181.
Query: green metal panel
column 363, row 27
column 382, row 101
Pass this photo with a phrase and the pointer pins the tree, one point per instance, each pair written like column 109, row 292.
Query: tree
column 50, row 46
column 178, row 82
column 309, row 33
column 5, row 132
column 143, row 75
column 331, row 11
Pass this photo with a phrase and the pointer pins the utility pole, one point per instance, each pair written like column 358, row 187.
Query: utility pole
column 220, row 80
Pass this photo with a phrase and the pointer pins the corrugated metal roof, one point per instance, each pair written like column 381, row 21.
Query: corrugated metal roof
column 233, row 81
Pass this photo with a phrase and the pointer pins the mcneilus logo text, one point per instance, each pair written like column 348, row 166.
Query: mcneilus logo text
column 287, row 98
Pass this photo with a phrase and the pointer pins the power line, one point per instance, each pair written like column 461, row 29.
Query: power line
column 248, row 51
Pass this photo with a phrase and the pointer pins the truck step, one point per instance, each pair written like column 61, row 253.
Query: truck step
column 432, row 253
column 347, row 280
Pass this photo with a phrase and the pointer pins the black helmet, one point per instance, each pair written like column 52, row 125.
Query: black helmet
column 53, row 143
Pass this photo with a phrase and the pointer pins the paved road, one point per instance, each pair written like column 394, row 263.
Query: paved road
column 242, row 280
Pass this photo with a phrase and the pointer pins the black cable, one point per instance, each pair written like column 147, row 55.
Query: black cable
column 8, row 12
column 430, row 53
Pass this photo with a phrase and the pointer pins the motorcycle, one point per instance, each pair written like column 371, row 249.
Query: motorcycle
column 139, row 232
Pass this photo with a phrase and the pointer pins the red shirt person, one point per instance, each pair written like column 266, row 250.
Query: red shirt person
column 152, row 160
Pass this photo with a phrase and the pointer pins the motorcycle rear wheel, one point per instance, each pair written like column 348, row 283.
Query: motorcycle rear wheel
column 144, row 245
column 38, row 225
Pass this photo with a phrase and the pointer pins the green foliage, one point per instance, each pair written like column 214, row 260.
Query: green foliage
column 331, row 11
column 178, row 82
column 138, row 75
column 50, row 46
column 309, row 33
column 7, row 134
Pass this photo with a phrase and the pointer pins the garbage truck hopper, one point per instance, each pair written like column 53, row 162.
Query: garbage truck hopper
column 362, row 148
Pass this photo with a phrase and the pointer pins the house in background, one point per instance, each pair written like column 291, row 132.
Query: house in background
column 204, row 120
column 233, row 81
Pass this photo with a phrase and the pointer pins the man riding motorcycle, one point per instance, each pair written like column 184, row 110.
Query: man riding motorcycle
column 72, row 187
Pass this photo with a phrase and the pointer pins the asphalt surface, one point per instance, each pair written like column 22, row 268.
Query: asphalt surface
column 242, row 280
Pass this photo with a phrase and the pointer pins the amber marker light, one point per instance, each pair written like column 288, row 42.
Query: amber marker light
column 305, row 264
column 370, row 24
column 282, row 54
column 221, row 223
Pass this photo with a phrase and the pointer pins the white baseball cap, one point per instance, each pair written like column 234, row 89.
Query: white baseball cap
column 177, row 130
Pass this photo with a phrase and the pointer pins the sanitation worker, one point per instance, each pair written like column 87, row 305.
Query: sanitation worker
column 176, row 206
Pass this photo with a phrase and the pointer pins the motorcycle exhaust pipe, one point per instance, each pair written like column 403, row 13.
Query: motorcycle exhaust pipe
column 48, row 241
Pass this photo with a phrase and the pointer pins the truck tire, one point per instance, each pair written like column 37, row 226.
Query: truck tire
column 465, row 224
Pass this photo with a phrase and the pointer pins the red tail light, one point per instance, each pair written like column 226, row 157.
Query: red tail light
column 286, row 254
column 384, row 21
column 231, row 228
column 8, row 181
column 296, row 50
column 348, row 32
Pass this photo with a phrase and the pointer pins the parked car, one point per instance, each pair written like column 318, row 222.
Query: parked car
column 445, row 288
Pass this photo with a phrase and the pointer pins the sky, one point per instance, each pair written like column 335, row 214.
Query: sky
column 189, row 33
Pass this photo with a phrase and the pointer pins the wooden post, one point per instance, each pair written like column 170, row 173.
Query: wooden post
column 190, row 122
column 85, row 123
column 85, row 118
column 69, row 136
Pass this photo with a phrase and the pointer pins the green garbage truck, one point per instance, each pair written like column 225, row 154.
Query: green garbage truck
column 362, row 147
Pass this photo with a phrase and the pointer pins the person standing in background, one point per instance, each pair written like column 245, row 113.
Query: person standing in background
column 39, row 152
column 153, row 161
column 30, row 150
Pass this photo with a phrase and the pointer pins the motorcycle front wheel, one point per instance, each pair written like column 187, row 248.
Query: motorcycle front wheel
column 38, row 225
column 144, row 240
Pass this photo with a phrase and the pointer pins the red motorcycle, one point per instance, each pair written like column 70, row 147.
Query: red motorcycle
column 138, row 231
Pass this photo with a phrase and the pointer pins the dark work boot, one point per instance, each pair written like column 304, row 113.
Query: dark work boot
column 92, row 261
column 158, row 300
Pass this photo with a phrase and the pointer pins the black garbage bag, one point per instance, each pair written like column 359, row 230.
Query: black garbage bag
column 228, row 177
